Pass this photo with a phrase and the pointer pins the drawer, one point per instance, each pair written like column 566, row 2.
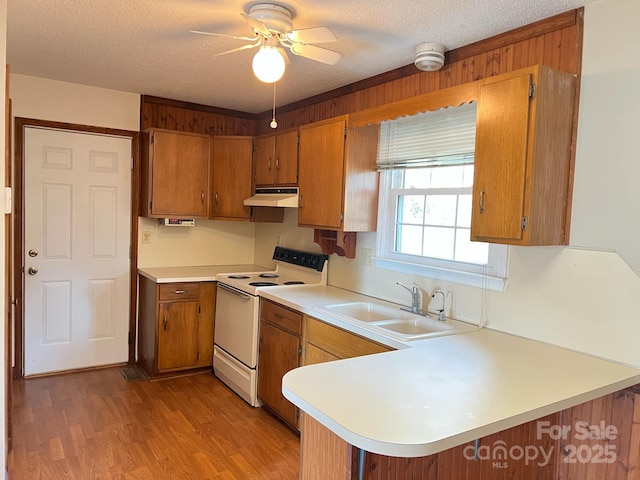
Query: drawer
column 179, row 291
column 339, row 342
column 280, row 316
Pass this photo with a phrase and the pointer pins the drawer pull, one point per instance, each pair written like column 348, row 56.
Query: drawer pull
column 165, row 323
column 180, row 292
column 278, row 315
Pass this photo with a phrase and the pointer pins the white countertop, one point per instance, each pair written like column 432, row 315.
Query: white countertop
column 444, row 392
column 202, row 273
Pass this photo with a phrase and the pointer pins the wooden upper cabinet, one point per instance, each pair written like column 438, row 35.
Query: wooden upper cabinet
column 277, row 159
column 175, row 174
column 338, row 181
column 523, row 157
column 231, row 177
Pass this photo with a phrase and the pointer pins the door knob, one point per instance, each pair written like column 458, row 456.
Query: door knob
column 33, row 252
column 32, row 270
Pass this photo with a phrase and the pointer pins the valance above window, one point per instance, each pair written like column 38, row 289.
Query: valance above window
column 443, row 137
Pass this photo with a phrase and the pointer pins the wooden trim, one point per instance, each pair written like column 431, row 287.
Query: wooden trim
column 574, row 136
column 167, row 102
column 8, row 277
column 447, row 97
column 133, row 262
column 18, row 197
column 548, row 25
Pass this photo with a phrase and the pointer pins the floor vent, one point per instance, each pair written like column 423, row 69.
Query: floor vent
column 132, row 373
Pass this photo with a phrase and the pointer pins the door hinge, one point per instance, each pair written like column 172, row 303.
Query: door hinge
column 151, row 138
column 532, row 90
column 345, row 132
column 297, row 415
column 131, row 167
column 299, row 350
column 198, row 357
column 341, row 216
column 199, row 309
column 524, row 223
column 298, row 139
column 129, row 339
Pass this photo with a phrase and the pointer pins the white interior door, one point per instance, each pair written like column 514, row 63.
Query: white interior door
column 77, row 199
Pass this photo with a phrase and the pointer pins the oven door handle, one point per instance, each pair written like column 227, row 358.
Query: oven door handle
column 234, row 290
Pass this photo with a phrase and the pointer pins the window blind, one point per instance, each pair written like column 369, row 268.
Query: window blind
column 444, row 137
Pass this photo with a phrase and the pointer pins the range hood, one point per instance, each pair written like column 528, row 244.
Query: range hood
column 274, row 197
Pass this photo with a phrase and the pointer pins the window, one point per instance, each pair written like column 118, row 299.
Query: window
column 426, row 164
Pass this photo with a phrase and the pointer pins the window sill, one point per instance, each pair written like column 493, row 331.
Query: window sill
column 478, row 280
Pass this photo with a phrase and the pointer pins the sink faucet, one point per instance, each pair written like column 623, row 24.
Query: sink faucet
column 416, row 298
column 440, row 310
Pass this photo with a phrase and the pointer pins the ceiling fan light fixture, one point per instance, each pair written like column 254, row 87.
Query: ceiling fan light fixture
column 429, row 57
column 268, row 64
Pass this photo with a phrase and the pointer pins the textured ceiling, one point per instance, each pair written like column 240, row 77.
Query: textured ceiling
column 144, row 46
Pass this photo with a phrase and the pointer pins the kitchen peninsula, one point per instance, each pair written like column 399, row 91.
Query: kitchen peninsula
column 448, row 390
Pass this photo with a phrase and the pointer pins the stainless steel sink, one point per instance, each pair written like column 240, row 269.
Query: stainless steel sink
column 392, row 321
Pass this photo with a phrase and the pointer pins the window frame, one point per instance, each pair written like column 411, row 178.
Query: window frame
column 492, row 276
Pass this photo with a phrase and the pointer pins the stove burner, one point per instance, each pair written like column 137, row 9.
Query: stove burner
column 262, row 284
column 268, row 275
column 238, row 276
column 293, row 282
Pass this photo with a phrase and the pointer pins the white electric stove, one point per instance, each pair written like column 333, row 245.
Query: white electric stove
column 237, row 315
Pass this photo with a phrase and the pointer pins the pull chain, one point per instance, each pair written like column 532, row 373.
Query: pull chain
column 273, row 123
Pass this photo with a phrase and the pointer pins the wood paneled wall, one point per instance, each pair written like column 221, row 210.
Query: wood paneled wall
column 555, row 42
column 189, row 117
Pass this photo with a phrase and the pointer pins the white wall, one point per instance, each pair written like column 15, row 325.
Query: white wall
column 210, row 242
column 587, row 298
column 44, row 99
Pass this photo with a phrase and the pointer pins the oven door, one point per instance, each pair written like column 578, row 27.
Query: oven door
column 236, row 325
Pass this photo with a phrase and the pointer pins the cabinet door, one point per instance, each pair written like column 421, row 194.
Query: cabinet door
column 180, row 174
column 499, row 182
column 232, row 158
column 286, row 164
column 277, row 355
column 265, row 162
column 313, row 355
column 206, row 323
column 321, row 174
column 177, row 335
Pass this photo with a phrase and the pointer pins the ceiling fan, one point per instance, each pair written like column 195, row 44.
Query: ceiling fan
column 272, row 32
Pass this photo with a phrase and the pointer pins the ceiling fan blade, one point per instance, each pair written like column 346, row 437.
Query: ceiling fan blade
column 244, row 47
column 311, row 35
column 237, row 37
column 256, row 25
column 318, row 54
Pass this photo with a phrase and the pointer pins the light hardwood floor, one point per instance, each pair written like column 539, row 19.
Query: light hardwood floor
column 96, row 425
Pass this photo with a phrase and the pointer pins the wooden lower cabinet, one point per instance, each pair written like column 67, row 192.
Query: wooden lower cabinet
column 324, row 343
column 601, row 442
column 175, row 324
column 279, row 352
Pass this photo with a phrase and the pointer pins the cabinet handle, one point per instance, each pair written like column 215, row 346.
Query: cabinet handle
column 202, row 198
column 216, row 198
column 269, row 164
column 278, row 315
column 165, row 323
column 300, row 202
column 278, row 163
column 180, row 292
column 481, row 201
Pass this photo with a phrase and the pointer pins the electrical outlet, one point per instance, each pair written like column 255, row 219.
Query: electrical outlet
column 146, row 237
column 367, row 255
